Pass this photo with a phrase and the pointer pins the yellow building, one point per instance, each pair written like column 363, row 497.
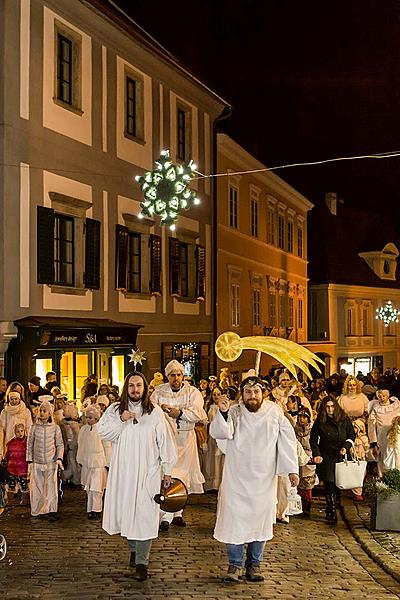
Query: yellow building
column 262, row 253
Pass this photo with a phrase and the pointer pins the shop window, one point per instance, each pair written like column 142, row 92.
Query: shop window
column 43, row 366
column 59, row 250
column 183, row 132
column 233, row 207
column 118, row 370
column 68, row 67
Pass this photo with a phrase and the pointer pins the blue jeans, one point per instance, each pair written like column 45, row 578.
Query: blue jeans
column 254, row 554
column 142, row 549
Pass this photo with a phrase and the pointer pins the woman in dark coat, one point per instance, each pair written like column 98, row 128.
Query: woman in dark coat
column 330, row 439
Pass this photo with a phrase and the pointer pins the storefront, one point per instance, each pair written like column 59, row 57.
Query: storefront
column 360, row 364
column 73, row 348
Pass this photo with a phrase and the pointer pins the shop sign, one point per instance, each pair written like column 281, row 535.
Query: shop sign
column 87, row 337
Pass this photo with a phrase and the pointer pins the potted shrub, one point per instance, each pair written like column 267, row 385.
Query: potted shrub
column 385, row 495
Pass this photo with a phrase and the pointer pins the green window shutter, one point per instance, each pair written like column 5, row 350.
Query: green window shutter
column 200, row 272
column 155, row 264
column 121, row 257
column 175, row 266
column 45, row 245
column 92, row 254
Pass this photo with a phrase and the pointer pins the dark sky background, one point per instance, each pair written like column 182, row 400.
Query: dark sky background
column 308, row 80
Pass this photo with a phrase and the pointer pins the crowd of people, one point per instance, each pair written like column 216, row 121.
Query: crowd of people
column 259, row 444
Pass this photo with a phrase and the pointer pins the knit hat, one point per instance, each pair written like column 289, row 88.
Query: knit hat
column 93, row 411
column 103, row 400
column 174, row 365
column 45, row 403
column 35, row 380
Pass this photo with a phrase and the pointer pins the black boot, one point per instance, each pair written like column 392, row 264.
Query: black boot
column 337, row 498
column 306, row 507
column 330, row 511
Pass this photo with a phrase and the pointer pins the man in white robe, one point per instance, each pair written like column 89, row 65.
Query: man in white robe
column 183, row 404
column 143, row 451
column 260, row 444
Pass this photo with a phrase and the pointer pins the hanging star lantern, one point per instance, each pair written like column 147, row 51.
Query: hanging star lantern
column 136, row 357
column 166, row 190
column 388, row 313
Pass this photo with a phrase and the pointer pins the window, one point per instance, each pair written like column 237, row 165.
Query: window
column 64, row 69
column 300, row 242
column 290, row 236
column 184, row 265
column 272, row 310
column 300, row 314
column 290, row 318
column 254, row 217
column 256, row 308
column 134, row 263
column 235, row 304
column 64, row 250
column 130, row 115
column 183, row 131
column 282, row 311
column 349, row 321
column 271, row 234
column 366, row 320
column 281, row 232
column 233, row 207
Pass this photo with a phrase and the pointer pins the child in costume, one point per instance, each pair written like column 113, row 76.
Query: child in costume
column 70, row 427
column 307, row 472
column 391, row 459
column 92, row 457
column 44, row 454
column 17, row 465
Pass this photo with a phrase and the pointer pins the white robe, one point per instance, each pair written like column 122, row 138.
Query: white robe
column 141, row 453
column 91, row 455
column 259, row 447
column 190, row 401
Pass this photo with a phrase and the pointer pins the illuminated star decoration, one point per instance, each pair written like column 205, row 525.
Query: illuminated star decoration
column 136, row 357
column 166, row 190
column 388, row 313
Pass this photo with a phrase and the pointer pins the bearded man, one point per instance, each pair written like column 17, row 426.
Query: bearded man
column 183, row 406
column 143, row 451
column 259, row 444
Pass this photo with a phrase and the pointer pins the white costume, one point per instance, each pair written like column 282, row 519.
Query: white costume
column 379, row 423
column 142, row 452
column 11, row 416
column 91, row 455
column 259, row 447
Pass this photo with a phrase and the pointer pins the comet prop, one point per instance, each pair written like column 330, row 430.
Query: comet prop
column 229, row 347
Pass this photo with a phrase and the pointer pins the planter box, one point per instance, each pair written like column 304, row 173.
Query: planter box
column 385, row 514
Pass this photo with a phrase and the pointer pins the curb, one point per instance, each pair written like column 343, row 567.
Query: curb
column 383, row 557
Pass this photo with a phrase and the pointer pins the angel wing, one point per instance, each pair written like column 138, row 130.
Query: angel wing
column 229, row 347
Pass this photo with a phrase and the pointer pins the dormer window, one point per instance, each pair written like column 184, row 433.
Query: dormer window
column 384, row 262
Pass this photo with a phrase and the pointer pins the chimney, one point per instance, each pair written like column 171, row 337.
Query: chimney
column 331, row 201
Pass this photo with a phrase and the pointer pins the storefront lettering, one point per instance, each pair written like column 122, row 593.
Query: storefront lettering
column 97, row 337
column 91, row 338
column 68, row 339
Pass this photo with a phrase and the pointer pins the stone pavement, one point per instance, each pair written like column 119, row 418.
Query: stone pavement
column 382, row 546
column 75, row 559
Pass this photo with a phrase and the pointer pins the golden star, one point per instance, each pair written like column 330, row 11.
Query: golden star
column 136, row 357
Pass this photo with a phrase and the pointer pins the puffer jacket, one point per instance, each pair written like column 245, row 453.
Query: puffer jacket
column 16, row 457
column 45, row 444
column 9, row 417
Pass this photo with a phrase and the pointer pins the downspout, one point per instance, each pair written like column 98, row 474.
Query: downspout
column 226, row 113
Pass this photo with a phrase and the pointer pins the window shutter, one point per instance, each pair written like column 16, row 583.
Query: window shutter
column 121, row 257
column 155, row 264
column 200, row 272
column 92, row 254
column 175, row 266
column 45, row 245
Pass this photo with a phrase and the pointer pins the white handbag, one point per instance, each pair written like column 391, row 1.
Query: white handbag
column 349, row 474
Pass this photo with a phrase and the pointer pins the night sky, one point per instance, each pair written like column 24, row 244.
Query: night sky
column 308, row 80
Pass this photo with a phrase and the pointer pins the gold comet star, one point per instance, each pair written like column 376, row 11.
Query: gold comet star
column 229, row 347
column 136, row 357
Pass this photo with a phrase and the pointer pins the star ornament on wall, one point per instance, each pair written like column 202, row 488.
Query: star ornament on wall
column 166, row 190
column 388, row 313
column 136, row 357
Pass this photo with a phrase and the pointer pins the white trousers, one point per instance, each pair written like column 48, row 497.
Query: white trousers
column 94, row 501
column 43, row 489
column 168, row 516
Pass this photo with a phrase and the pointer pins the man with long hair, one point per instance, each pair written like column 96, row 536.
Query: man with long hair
column 143, row 455
column 183, row 404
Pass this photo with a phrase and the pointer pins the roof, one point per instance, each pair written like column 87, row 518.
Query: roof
column 334, row 243
column 72, row 323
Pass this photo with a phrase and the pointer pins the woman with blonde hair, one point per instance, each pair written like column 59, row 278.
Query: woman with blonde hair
column 353, row 401
column 391, row 459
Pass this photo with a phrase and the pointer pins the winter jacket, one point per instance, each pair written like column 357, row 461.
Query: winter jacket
column 16, row 457
column 9, row 417
column 45, row 443
column 326, row 440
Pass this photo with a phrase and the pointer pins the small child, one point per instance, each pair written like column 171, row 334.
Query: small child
column 44, row 454
column 307, row 471
column 17, row 465
column 91, row 455
column 391, row 459
column 361, row 445
column 70, row 427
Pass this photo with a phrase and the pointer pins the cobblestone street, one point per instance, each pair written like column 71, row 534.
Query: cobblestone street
column 75, row 559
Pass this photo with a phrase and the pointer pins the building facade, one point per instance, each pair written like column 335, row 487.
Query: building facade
column 262, row 253
column 88, row 101
column 353, row 272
